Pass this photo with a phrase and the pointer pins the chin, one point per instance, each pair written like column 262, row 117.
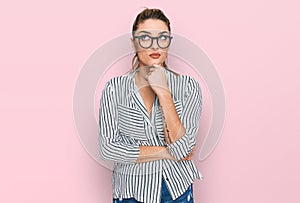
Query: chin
column 156, row 62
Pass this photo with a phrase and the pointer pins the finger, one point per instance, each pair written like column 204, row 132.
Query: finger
column 186, row 158
column 152, row 69
column 146, row 77
column 156, row 65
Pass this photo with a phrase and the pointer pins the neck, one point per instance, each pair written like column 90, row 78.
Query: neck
column 140, row 76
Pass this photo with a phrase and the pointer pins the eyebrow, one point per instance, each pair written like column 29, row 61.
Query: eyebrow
column 151, row 33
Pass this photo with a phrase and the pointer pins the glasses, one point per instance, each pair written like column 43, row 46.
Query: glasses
column 146, row 41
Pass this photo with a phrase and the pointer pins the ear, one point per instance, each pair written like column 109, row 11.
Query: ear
column 133, row 45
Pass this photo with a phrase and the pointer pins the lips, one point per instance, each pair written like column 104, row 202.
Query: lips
column 155, row 55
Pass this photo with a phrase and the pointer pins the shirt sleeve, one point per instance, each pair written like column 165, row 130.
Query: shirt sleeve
column 192, row 108
column 111, row 145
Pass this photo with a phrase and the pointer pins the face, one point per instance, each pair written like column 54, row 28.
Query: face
column 156, row 53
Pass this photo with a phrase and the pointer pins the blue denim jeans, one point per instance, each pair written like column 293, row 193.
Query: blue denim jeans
column 186, row 197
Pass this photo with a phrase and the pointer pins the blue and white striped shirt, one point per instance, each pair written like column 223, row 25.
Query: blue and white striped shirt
column 124, row 125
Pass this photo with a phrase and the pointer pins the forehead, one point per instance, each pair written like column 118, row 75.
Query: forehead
column 153, row 26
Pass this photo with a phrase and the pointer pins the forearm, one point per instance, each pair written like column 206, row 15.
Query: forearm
column 173, row 128
column 153, row 153
column 179, row 144
column 180, row 132
column 117, row 151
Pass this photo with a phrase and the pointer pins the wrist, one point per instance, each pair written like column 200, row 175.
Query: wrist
column 167, row 154
column 163, row 94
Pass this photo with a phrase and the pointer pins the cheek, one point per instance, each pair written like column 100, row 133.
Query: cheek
column 164, row 56
column 143, row 54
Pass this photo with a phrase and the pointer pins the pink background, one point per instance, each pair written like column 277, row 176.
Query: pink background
column 254, row 45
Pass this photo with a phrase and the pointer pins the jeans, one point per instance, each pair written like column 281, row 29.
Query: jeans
column 186, row 197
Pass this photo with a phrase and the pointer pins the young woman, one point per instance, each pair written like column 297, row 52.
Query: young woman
column 148, row 120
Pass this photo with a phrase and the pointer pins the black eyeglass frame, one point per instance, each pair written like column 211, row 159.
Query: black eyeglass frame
column 152, row 39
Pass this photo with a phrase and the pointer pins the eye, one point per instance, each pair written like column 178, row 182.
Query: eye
column 163, row 37
column 145, row 37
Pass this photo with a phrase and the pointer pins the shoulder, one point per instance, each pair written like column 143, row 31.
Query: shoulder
column 192, row 82
column 117, row 81
column 183, row 80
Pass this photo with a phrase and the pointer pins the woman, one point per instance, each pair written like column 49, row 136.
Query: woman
column 148, row 121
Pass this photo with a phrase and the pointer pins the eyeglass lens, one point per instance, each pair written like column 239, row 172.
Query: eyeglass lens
column 146, row 41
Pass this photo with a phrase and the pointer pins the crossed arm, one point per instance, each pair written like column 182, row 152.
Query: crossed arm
column 180, row 142
column 173, row 130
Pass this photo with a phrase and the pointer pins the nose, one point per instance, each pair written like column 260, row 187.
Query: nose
column 155, row 44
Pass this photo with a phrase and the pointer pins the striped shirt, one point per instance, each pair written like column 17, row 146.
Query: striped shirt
column 124, row 125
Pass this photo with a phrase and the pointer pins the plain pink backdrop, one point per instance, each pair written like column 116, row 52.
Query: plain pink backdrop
column 253, row 44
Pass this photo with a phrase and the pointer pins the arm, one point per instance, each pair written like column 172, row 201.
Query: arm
column 173, row 128
column 111, row 145
column 181, row 139
column 152, row 153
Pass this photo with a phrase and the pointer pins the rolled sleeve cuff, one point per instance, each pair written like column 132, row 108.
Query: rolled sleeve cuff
column 181, row 148
column 119, row 152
